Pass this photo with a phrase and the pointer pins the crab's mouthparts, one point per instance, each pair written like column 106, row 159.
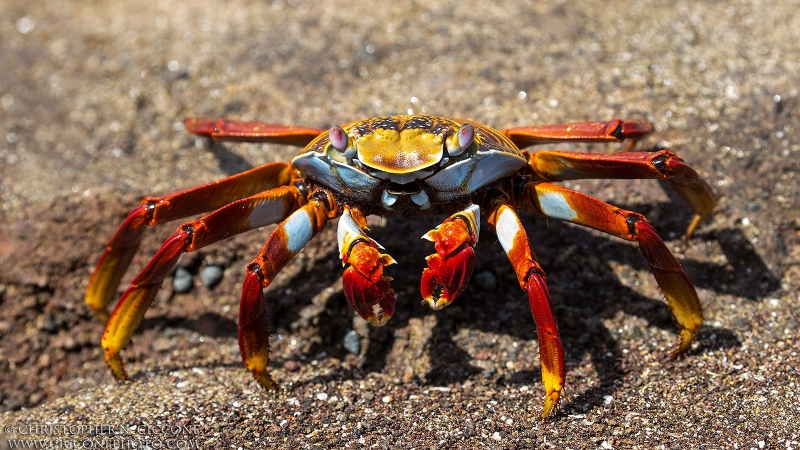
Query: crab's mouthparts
column 403, row 189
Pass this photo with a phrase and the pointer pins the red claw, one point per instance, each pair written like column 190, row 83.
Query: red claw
column 450, row 268
column 365, row 287
column 447, row 276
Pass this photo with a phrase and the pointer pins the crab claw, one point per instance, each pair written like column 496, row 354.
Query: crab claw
column 450, row 268
column 446, row 277
column 366, row 288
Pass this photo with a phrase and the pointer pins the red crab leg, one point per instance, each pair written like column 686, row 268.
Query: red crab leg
column 229, row 130
column 450, row 268
column 237, row 217
column 615, row 130
column 366, row 288
column 286, row 241
column 532, row 279
column 665, row 165
column 156, row 210
column 559, row 202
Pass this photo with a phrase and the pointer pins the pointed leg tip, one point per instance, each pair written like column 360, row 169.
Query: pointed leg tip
column 114, row 362
column 687, row 336
column 265, row 380
column 693, row 225
column 550, row 401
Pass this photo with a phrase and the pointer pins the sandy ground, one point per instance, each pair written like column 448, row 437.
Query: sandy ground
column 92, row 95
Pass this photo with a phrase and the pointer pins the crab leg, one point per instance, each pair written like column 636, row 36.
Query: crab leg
column 450, row 268
column 286, row 241
column 366, row 288
column 561, row 203
column 665, row 165
column 627, row 131
column 532, row 279
column 229, row 130
column 237, row 217
column 156, row 210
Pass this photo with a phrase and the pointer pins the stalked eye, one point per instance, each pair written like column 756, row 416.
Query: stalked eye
column 465, row 136
column 461, row 140
column 338, row 138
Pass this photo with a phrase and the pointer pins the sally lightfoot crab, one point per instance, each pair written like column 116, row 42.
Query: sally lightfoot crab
column 408, row 165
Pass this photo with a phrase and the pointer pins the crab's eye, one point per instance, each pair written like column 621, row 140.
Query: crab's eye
column 465, row 136
column 338, row 138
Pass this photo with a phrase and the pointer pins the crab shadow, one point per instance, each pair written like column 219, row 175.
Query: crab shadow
column 229, row 162
column 746, row 274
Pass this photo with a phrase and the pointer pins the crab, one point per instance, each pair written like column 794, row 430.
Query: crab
column 408, row 165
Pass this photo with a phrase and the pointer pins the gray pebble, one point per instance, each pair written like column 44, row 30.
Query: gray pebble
column 211, row 275
column 46, row 322
column 182, row 282
column 367, row 397
column 352, row 342
column 486, row 280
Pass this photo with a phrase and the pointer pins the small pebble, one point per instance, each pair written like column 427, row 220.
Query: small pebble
column 182, row 282
column 486, row 280
column 387, row 399
column 352, row 342
column 291, row 366
column 44, row 361
column 46, row 322
column 482, row 356
column 322, row 396
column 64, row 341
column 211, row 275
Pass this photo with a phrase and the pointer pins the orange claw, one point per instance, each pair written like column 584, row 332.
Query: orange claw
column 447, row 276
column 450, row 268
column 366, row 288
